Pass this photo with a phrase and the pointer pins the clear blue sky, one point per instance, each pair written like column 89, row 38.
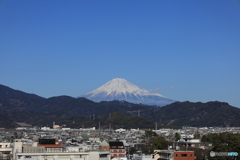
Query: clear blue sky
column 189, row 49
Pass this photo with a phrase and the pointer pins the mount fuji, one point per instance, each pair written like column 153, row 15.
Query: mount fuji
column 121, row 89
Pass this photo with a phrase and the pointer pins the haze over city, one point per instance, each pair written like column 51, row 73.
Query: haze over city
column 184, row 50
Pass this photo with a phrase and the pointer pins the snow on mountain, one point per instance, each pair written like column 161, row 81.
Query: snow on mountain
column 120, row 89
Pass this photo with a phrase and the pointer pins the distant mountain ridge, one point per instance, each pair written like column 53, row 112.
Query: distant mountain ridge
column 7, row 92
column 18, row 106
column 121, row 89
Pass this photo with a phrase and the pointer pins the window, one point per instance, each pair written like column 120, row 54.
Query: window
column 183, row 155
column 103, row 155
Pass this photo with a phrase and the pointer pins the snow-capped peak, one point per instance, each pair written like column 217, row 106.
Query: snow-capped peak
column 121, row 89
column 118, row 86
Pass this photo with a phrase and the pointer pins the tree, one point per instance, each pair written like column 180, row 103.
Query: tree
column 152, row 142
column 223, row 142
column 204, row 139
column 177, row 136
column 197, row 135
column 159, row 143
column 150, row 133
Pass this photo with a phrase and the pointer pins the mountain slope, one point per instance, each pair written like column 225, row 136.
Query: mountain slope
column 198, row 114
column 11, row 98
column 120, row 89
column 17, row 106
column 7, row 92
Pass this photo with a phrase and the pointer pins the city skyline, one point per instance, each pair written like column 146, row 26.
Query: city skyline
column 187, row 51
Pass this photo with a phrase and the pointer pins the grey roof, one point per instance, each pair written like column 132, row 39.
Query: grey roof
column 104, row 143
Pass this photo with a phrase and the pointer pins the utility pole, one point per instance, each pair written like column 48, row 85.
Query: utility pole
column 99, row 126
column 109, row 127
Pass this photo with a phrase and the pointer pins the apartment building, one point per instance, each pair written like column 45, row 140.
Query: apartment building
column 45, row 151
column 117, row 149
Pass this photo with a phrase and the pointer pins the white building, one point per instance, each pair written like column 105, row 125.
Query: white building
column 120, row 130
column 97, row 155
column 5, row 150
column 21, row 152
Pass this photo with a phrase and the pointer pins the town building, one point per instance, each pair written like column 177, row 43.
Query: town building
column 104, row 146
column 47, row 151
column 5, row 150
column 193, row 142
column 117, row 149
column 173, row 155
column 51, row 145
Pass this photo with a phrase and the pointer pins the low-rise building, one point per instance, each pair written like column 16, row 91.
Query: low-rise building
column 50, row 145
column 94, row 155
column 117, row 149
column 104, row 146
column 47, row 151
column 193, row 142
column 5, row 150
column 173, row 155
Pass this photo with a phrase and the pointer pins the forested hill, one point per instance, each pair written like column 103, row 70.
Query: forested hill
column 17, row 105
column 198, row 114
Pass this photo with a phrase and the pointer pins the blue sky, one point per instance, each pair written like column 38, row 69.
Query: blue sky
column 188, row 49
